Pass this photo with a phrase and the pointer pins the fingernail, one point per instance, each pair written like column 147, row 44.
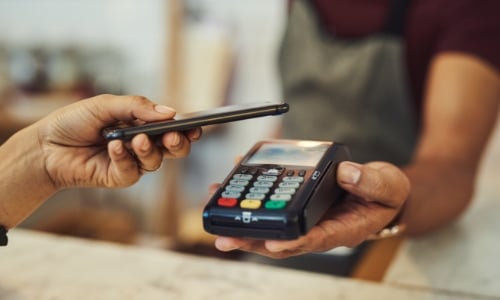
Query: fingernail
column 196, row 135
column 145, row 145
column 175, row 140
column 349, row 173
column 117, row 147
column 164, row 109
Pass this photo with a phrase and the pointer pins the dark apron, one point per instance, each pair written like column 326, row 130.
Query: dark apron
column 351, row 91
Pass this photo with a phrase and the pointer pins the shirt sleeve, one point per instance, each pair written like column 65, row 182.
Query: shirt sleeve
column 3, row 236
column 472, row 27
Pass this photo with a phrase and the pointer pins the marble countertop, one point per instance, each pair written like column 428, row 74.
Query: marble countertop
column 457, row 263
column 462, row 258
column 42, row 266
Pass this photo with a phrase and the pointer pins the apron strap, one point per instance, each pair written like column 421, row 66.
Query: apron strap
column 396, row 19
column 3, row 236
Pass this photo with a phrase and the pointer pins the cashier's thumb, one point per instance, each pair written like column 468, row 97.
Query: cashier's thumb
column 349, row 173
column 374, row 181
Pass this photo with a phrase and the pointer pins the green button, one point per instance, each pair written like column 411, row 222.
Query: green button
column 275, row 204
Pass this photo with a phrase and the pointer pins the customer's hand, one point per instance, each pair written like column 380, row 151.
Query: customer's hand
column 376, row 193
column 76, row 155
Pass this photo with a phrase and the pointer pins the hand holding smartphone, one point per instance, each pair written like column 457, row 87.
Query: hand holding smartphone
column 183, row 122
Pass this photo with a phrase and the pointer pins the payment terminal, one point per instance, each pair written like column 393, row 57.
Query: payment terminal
column 279, row 190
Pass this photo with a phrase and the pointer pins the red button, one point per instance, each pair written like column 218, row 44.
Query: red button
column 227, row 202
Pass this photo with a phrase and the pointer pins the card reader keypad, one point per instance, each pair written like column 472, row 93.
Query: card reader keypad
column 270, row 189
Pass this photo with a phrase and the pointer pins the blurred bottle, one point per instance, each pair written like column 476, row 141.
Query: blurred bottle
column 62, row 70
column 26, row 69
column 5, row 83
column 103, row 70
column 37, row 80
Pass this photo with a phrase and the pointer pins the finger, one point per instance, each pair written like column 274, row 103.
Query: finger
column 123, row 169
column 260, row 247
column 226, row 244
column 292, row 245
column 176, row 145
column 319, row 239
column 213, row 188
column 347, row 223
column 376, row 181
column 238, row 159
column 110, row 108
column 150, row 157
column 194, row 134
column 211, row 191
column 327, row 235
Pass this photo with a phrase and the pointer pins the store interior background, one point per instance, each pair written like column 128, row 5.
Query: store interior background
column 190, row 55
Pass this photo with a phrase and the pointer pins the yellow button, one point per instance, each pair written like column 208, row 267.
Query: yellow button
column 250, row 204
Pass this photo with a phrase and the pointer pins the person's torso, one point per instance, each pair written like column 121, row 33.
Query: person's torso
column 350, row 19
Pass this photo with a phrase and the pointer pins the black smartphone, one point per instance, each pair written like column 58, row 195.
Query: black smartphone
column 183, row 122
column 279, row 190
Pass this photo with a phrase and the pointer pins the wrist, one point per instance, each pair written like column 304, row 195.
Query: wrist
column 395, row 228
column 24, row 178
column 28, row 158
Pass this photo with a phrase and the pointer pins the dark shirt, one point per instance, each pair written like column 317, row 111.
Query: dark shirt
column 3, row 236
column 433, row 27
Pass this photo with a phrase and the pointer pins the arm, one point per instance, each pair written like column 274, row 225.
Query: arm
column 65, row 150
column 23, row 181
column 461, row 108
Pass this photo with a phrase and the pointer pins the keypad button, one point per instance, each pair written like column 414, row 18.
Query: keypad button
column 273, row 172
column 242, row 176
column 275, row 204
column 265, row 184
column 282, row 197
column 267, row 189
column 293, row 179
column 227, row 202
column 231, row 195
column 256, row 196
column 239, row 182
column 263, row 190
column 267, row 178
column 290, row 191
column 289, row 185
column 250, row 204
column 235, row 188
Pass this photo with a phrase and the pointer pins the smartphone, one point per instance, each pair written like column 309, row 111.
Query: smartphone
column 279, row 190
column 183, row 122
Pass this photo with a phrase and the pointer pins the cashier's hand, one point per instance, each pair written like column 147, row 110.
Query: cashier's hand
column 76, row 155
column 376, row 193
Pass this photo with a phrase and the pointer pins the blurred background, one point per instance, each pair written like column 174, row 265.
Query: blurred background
column 190, row 55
